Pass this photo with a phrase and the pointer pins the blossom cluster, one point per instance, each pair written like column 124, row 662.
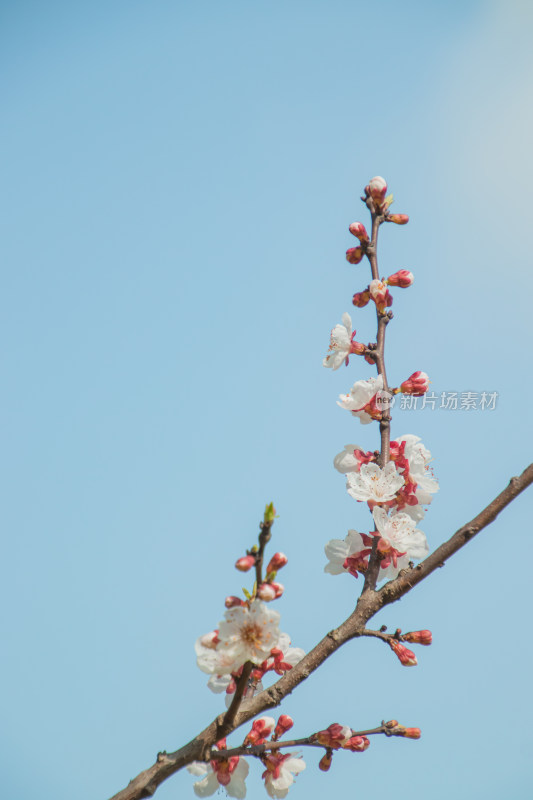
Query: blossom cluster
column 231, row 772
column 397, row 490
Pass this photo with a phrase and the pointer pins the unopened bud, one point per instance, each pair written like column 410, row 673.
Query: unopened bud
column 354, row 255
column 278, row 588
column 325, row 762
column 261, row 730
column 417, row 384
column 266, row 592
column 359, row 230
column 245, row 563
column 277, row 561
column 403, row 278
column 232, row 601
column 334, row 736
column 419, row 637
column 357, row 744
column 284, row 724
column 399, row 219
column 407, row 657
column 377, row 189
column 408, row 733
column 361, row 299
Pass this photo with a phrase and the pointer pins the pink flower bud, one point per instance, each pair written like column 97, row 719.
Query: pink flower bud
column 419, row 637
column 245, row 563
column 266, row 592
column 232, row 601
column 334, row 736
column 357, row 744
column 412, row 733
column 359, row 230
column 417, row 384
column 377, row 189
column 325, row 762
column 407, row 657
column 361, row 299
column 261, row 730
column 354, row 255
column 403, row 278
column 277, row 561
column 399, row 219
column 285, row 723
column 278, row 587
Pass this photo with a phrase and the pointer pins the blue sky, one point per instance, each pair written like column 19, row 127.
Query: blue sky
column 178, row 182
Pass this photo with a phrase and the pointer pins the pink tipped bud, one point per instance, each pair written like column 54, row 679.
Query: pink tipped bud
column 359, row 230
column 357, row 744
column 334, row 736
column 232, row 601
column 277, row 561
column 399, row 219
column 412, row 733
column 407, row 657
column 261, row 730
column 279, row 588
column 325, row 762
column 361, row 299
column 377, row 189
column 354, row 255
column 285, row 723
column 417, row 384
column 266, row 592
column 419, row 637
column 403, row 278
column 245, row 563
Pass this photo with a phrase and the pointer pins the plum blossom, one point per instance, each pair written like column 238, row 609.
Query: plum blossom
column 247, row 633
column 349, row 554
column 361, row 399
column 230, row 773
column 373, row 484
column 341, row 344
column 280, row 772
column 400, row 541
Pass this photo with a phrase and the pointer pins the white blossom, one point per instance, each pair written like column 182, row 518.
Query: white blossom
column 419, row 458
column 248, row 633
column 359, row 396
column 209, row 784
column 340, row 343
column 338, row 550
column 280, row 772
column 400, row 531
column 346, row 461
column 373, row 483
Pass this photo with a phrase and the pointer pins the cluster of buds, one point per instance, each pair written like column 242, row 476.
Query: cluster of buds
column 378, row 201
column 407, row 657
column 337, row 736
column 393, row 728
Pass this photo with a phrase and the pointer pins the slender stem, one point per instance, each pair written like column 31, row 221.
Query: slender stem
column 308, row 741
column 264, row 538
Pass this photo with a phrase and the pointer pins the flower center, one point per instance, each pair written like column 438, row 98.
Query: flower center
column 252, row 635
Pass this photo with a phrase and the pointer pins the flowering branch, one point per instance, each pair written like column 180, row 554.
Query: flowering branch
column 198, row 749
column 396, row 483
